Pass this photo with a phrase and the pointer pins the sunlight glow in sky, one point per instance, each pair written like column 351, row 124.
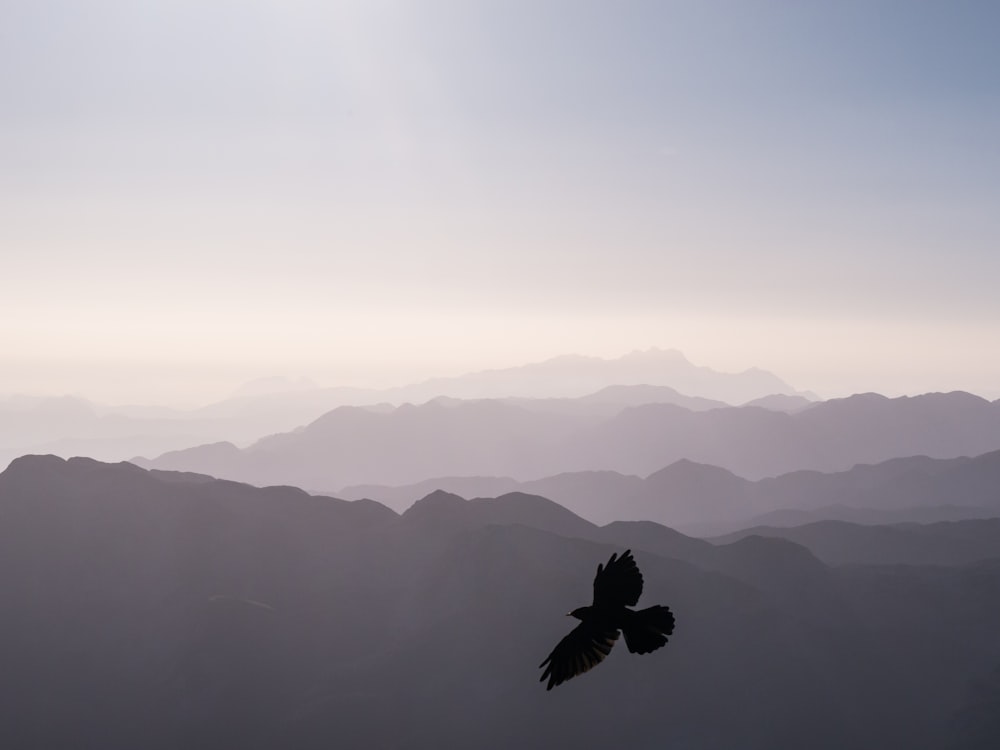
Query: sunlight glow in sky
column 195, row 194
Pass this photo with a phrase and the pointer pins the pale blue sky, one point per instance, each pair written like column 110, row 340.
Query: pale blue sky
column 193, row 194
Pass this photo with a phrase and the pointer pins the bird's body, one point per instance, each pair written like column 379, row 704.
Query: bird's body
column 617, row 586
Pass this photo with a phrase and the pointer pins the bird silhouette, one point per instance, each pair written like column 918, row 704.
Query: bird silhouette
column 617, row 586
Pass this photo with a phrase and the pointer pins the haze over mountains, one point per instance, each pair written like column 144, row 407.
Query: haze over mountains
column 70, row 426
column 161, row 608
column 842, row 543
column 496, row 439
column 694, row 496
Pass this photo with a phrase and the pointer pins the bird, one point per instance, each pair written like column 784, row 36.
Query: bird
column 617, row 586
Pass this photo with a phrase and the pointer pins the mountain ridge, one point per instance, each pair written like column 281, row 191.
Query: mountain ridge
column 174, row 611
column 71, row 425
column 689, row 495
column 493, row 438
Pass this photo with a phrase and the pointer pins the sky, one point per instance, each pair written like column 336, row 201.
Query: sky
column 197, row 194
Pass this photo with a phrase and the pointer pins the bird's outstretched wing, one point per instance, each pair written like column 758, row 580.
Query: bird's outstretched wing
column 585, row 647
column 619, row 583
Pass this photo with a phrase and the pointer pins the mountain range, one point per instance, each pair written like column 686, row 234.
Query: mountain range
column 493, row 438
column 71, row 425
column 843, row 543
column 698, row 497
column 159, row 610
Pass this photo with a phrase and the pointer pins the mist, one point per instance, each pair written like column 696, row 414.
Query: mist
column 195, row 196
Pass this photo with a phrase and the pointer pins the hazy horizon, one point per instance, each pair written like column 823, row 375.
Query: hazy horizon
column 197, row 195
column 164, row 388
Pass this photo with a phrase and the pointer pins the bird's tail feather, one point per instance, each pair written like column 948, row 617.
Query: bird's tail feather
column 647, row 629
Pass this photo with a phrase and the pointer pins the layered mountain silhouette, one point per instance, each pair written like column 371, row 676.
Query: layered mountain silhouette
column 492, row 438
column 576, row 375
column 697, row 496
column 70, row 426
column 158, row 609
column 842, row 543
column 599, row 496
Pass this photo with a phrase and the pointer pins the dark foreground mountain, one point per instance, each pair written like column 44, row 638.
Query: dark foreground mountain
column 160, row 610
column 351, row 446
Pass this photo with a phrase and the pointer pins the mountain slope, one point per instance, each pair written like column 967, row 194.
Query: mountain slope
column 491, row 438
column 700, row 497
column 840, row 543
column 70, row 426
column 162, row 610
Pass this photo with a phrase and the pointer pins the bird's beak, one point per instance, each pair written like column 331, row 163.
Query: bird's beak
column 569, row 614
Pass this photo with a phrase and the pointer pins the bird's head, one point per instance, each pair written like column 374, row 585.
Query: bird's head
column 579, row 613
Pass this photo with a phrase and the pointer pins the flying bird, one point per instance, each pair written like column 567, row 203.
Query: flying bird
column 617, row 586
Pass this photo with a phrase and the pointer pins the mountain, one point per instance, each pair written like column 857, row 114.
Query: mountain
column 782, row 402
column 841, row 543
column 850, row 514
column 915, row 488
column 576, row 375
column 592, row 494
column 70, row 425
column 615, row 398
column 652, row 376
column 687, row 492
column 756, row 443
column 162, row 610
column 573, row 385
column 709, row 501
column 351, row 446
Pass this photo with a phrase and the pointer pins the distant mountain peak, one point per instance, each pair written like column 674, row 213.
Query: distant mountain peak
column 441, row 497
column 47, row 473
column 687, row 467
column 436, row 502
column 32, row 463
column 574, row 375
